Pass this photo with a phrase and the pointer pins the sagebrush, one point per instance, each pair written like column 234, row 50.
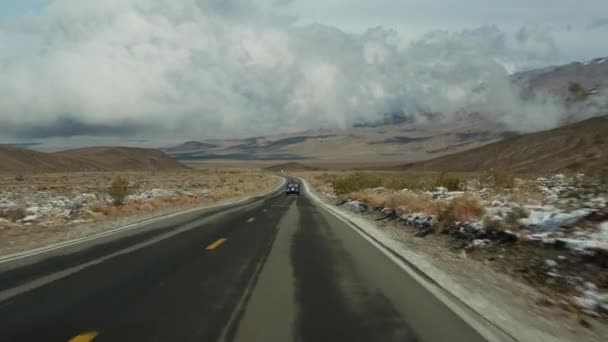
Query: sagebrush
column 119, row 189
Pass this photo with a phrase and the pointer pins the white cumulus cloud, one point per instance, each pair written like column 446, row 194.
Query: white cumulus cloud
column 225, row 67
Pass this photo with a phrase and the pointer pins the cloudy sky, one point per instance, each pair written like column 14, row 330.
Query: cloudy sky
column 200, row 68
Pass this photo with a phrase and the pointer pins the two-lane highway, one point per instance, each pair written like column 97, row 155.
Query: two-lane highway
column 277, row 269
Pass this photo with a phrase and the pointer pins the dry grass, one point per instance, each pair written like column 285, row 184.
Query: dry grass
column 461, row 209
column 401, row 203
column 410, row 203
column 222, row 194
column 347, row 182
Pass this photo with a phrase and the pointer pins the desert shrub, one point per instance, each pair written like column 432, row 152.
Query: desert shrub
column 517, row 213
column 97, row 207
column 445, row 218
column 449, row 182
column 355, row 182
column 119, row 189
column 408, row 181
column 461, row 209
column 492, row 224
column 19, row 178
column 15, row 214
column 503, row 179
column 467, row 208
column 410, row 203
column 497, row 179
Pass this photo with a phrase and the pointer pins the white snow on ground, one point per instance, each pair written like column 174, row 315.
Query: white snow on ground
column 548, row 218
column 150, row 194
column 40, row 206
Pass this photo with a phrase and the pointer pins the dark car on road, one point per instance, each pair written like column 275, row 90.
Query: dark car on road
column 292, row 189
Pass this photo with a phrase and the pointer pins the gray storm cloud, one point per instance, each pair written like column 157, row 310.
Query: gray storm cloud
column 222, row 67
column 598, row 24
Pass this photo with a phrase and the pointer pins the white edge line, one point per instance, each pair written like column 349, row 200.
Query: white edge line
column 439, row 292
column 59, row 245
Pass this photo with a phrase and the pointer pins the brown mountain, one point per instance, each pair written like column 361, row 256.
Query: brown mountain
column 582, row 146
column 19, row 160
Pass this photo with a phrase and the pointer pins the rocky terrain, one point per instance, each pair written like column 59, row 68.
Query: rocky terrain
column 39, row 209
column 550, row 233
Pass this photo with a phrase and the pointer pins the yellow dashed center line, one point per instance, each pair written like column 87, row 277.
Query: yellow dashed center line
column 216, row 244
column 251, row 219
column 85, row 337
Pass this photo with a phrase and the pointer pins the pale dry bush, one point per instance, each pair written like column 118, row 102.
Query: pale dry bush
column 411, row 203
column 462, row 209
column 222, row 194
column 467, row 208
column 371, row 199
column 97, row 207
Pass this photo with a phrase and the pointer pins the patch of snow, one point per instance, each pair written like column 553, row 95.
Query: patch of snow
column 356, row 206
column 150, row 194
column 480, row 243
column 604, row 230
column 550, row 263
column 29, row 219
column 591, row 300
column 548, row 218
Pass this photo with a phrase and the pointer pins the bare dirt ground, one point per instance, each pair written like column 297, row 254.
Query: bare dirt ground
column 538, row 246
column 42, row 209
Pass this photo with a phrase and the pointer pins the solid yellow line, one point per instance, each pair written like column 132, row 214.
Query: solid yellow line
column 85, row 337
column 251, row 219
column 216, row 244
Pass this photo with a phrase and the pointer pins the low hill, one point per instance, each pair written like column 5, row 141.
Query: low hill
column 19, row 160
column 292, row 166
column 190, row 146
column 582, row 146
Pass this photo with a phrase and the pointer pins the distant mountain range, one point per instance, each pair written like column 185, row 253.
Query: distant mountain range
column 395, row 142
column 592, row 76
column 397, row 137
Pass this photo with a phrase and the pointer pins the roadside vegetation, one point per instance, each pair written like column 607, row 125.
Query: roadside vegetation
column 550, row 232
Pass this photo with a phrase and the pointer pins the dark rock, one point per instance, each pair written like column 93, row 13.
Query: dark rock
column 424, row 233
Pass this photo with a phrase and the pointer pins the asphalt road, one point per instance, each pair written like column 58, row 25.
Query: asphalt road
column 277, row 269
